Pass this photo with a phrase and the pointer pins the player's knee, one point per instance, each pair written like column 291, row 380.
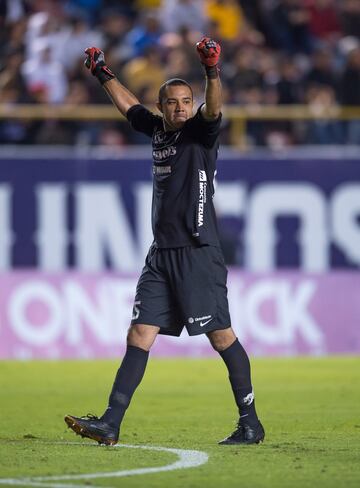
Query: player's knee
column 142, row 336
column 221, row 339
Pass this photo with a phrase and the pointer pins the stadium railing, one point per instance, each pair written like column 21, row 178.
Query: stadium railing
column 238, row 116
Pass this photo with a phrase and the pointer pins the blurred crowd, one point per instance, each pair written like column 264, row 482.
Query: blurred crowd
column 275, row 52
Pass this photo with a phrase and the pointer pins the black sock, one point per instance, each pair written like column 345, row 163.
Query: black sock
column 128, row 378
column 238, row 365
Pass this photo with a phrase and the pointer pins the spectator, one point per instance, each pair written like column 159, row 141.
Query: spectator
column 73, row 40
column 322, row 70
column 12, row 12
column 321, row 99
column 350, row 17
column 86, row 9
column 350, row 81
column 288, row 26
column 253, row 11
column 244, row 74
column 43, row 29
column 11, row 74
column 115, row 26
column 184, row 39
column 252, row 97
column 45, row 75
column 145, row 71
column 324, row 19
column 55, row 132
column 350, row 93
column 229, row 17
column 110, row 135
column 179, row 66
column 144, row 35
column 14, row 39
column 12, row 131
column 289, row 84
column 78, row 94
column 176, row 14
column 146, row 4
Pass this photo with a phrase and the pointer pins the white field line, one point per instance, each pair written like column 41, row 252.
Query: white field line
column 186, row 459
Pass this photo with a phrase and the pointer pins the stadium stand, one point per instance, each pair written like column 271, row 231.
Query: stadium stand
column 275, row 53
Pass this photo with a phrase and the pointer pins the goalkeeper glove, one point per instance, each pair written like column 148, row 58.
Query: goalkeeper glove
column 209, row 53
column 95, row 62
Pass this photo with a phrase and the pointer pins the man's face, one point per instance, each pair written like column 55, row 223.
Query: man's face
column 176, row 106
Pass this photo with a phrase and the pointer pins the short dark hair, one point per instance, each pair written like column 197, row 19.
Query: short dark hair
column 172, row 82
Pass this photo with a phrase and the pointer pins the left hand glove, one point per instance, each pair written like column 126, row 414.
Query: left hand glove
column 95, row 62
column 209, row 51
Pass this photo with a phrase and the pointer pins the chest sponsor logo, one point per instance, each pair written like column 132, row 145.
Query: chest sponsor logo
column 161, row 170
column 164, row 145
column 162, row 154
column 202, row 197
column 159, row 137
column 162, row 138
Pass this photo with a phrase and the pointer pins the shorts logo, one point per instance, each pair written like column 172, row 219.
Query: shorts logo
column 206, row 319
column 202, row 324
column 136, row 310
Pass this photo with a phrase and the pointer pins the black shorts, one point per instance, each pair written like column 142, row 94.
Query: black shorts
column 183, row 287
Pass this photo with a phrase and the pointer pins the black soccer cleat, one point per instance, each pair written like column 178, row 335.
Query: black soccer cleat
column 92, row 427
column 245, row 434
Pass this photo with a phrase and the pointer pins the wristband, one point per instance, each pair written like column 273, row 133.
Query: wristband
column 103, row 73
column 212, row 72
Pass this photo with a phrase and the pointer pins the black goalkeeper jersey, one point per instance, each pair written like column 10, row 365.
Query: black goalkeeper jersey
column 184, row 165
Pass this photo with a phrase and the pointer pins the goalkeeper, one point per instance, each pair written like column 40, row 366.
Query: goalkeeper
column 183, row 282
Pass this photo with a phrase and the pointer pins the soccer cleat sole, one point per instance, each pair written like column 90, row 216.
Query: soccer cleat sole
column 241, row 443
column 83, row 432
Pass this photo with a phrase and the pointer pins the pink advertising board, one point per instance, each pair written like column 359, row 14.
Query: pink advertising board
column 77, row 315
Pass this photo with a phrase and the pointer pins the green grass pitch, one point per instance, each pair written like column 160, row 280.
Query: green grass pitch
column 310, row 409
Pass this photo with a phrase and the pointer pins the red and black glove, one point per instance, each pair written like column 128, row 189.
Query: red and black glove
column 95, row 62
column 209, row 53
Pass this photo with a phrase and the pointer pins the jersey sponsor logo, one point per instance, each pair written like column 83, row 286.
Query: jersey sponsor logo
column 202, row 320
column 202, row 197
column 164, row 139
column 159, row 137
column 202, row 175
column 161, row 154
column 164, row 145
column 161, row 170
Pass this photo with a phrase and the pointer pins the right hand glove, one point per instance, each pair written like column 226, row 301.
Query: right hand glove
column 95, row 62
column 209, row 51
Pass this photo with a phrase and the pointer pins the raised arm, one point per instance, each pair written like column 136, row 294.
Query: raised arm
column 209, row 52
column 121, row 97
